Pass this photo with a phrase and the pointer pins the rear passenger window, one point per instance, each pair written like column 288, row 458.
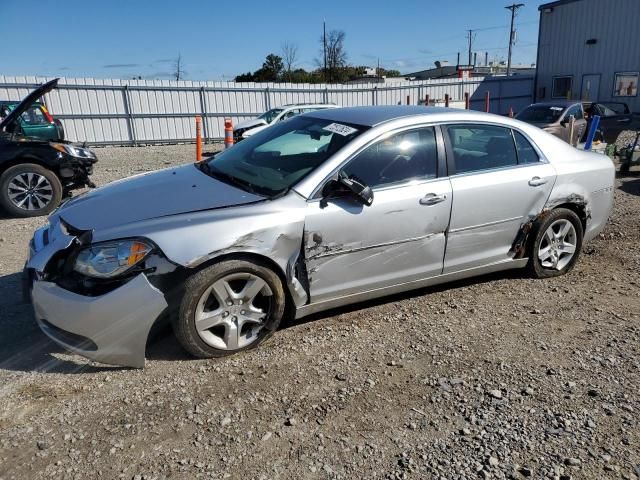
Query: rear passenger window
column 481, row 147
column 526, row 153
column 405, row 156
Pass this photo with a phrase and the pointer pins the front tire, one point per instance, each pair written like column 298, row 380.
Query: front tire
column 229, row 307
column 556, row 245
column 29, row 190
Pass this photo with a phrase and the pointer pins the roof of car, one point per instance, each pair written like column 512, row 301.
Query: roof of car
column 557, row 103
column 289, row 105
column 375, row 115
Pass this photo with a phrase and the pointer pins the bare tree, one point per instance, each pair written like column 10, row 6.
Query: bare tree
column 178, row 71
column 335, row 53
column 289, row 56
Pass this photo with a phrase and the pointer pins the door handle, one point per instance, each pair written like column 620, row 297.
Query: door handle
column 537, row 181
column 432, row 199
column 624, row 120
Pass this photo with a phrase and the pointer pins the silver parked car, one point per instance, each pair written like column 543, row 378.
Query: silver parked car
column 330, row 208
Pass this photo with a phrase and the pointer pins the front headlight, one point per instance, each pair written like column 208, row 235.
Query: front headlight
column 110, row 259
column 74, row 151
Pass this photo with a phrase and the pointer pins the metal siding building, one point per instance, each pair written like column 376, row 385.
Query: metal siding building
column 586, row 45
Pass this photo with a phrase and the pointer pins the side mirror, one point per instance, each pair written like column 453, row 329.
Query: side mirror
column 563, row 123
column 351, row 186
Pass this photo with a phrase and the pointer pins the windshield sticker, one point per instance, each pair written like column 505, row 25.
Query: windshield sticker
column 340, row 129
column 558, row 109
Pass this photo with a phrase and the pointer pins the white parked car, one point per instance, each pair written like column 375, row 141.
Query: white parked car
column 271, row 117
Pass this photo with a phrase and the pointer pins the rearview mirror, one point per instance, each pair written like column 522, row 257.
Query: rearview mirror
column 351, row 186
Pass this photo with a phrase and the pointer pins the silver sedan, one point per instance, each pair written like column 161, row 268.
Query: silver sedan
column 326, row 209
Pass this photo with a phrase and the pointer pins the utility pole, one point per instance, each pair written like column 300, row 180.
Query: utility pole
column 470, row 37
column 514, row 8
column 324, row 47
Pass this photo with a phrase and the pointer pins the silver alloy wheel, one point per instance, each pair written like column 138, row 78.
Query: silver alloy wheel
column 232, row 320
column 30, row 191
column 558, row 245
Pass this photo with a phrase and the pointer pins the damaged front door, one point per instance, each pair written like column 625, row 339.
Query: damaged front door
column 400, row 237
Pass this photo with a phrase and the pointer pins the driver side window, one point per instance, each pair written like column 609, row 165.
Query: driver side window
column 405, row 156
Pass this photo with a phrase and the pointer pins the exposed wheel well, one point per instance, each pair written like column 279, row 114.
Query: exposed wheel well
column 256, row 258
column 23, row 160
column 578, row 209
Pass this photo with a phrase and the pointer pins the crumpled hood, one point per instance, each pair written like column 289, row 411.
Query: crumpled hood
column 254, row 122
column 165, row 192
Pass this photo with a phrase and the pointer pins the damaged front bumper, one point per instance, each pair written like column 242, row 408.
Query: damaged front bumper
column 111, row 328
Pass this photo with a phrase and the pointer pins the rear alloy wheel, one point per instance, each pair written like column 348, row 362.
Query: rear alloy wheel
column 557, row 244
column 229, row 307
column 29, row 190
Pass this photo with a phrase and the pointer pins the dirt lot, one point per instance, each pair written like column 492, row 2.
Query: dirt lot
column 497, row 377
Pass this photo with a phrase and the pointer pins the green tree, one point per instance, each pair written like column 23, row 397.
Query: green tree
column 271, row 69
column 245, row 77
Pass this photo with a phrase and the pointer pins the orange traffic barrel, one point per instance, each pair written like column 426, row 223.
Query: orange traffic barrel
column 228, row 133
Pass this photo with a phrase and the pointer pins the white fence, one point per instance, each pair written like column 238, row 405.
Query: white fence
column 131, row 112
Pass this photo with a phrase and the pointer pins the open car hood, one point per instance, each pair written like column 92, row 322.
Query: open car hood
column 254, row 122
column 27, row 101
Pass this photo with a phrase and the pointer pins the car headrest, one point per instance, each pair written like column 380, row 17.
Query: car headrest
column 499, row 145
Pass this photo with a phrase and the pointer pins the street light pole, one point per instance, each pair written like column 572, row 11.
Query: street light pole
column 324, row 47
column 514, row 7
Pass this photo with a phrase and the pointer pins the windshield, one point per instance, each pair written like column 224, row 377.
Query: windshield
column 273, row 160
column 271, row 114
column 540, row 114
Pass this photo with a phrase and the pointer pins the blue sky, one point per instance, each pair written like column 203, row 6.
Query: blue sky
column 218, row 40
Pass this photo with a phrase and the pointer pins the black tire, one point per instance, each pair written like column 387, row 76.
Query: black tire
column 535, row 267
column 624, row 167
column 59, row 129
column 184, row 324
column 6, row 178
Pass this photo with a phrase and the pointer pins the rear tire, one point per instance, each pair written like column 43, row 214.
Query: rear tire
column 556, row 245
column 229, row 307
column 29, row 190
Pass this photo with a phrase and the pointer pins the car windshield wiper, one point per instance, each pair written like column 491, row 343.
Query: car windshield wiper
column 230, row 179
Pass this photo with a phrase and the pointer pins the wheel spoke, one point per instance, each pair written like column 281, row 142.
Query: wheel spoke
column 35, row 201
column 568, row 248
column 544, row 253
column 39, row 181
column 19, row 182
column 231, row 335
column 223, row 292
column 207, row 320
column 22, row 202
column 549, row 235
column 251, row 289
column 564, row 230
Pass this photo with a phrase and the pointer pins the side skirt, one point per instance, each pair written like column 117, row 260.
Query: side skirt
column 308, row 309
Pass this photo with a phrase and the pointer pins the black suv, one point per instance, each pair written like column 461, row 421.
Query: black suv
column 35, row 175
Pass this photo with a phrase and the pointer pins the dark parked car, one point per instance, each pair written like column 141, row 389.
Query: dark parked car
column 36, row 174
column 553, row 117
column 36, row 121
column 614, row 118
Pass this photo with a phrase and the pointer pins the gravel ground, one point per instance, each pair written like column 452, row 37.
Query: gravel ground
column 496, row 377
